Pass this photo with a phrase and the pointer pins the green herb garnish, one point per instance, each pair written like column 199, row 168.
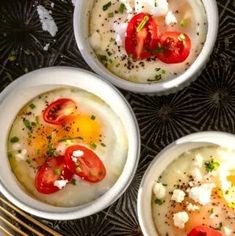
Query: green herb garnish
column 12, row 56
column 102, row 57
column 93, row 145
column 211, row 211
column 51, row 151
column 159, row 201
column 211, row 165
column 14, row 139
column 32, row 106
column 28, row 161
column 111, row 15
column 57, row 171
column 181, row 37
column 142, row 24
column 183, row 23
column 106, row 6
column 9, row 155
column 73, row 182
column 102, row 144
column 27, row 124
column 158, row 50
column 122, row 8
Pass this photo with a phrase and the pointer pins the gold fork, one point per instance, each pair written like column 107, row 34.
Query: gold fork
column 5, row 218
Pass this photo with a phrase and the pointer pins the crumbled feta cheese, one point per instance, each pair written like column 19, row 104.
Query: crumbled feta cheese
column 178, row 195
column 180, row 219
column 202, row 193
column 95, row 40
column 196, row 173
column 24, row 152
column 48, row 23
column 159, row 190
column 198, row 160
column 16, row 146
column 120, row 30
column 78, row 153
column 52, row 5
column 22, row 155
column 60, row 183
column 227, row 230
column 153, row 7
column 45, row 48
column 170, row 18
column 192, row 207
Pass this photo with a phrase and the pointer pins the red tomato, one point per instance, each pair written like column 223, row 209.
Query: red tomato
column 204, row 231
column 87, row 164
column 58, row 110
column 53, row 169
column 175, row 47
column 140, row 41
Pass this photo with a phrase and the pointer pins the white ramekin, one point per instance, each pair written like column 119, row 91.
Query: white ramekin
column 18, row 93
column 81, row 30
column 162, row 160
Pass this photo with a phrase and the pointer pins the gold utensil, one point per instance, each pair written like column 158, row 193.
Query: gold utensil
column 7, row 218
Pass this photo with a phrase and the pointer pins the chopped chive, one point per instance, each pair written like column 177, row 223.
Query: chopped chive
column 14, row 139
column 142, row 24
column 122, row 8
column 28, row 161
column 211, row 210
column 183, row 23
column 158, row 50
column 159, row 201
column 9, row 155
column 106, row 6
column 33, row 124
column 27, row 124
column 163, row 71
column 102, row 144
column 73, row 182
column 181, row 37
column 32, row 106
column 111, row 15
column 57, row 171
column 93, row 117
column 93, row 145
column 155, row 3
column 102, row 57
column 211, row 165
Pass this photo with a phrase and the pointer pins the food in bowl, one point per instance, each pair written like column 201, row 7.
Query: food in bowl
column 160, row 37
column 67, row 147
column 195, row 194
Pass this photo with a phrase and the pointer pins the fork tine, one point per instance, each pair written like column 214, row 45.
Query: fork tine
column 13, row 226
column 20, row 222
column 28, row 217
column 5, row 231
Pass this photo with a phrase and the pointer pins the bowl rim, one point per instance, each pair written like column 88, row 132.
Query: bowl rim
column 159, row 88
column 93, row 206
column 201, row 138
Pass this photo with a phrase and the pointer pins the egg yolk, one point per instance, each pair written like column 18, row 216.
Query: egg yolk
column 231, row 178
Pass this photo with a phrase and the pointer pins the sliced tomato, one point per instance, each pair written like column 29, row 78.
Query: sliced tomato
column 204, row 231
column 58, row 110
column 174, row 47
column 53, row 169
column 85, row 163
column 139, row 41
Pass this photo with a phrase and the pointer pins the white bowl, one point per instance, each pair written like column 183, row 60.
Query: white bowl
column 160, row 163
column 18, row 93
column 81, row 30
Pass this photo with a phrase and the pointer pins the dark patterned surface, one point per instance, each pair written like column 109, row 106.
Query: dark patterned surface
column 208, row 104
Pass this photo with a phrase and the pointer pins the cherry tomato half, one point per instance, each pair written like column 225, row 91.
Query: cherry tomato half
column 85, row 163
column 141, row 36
column 53, row 169
column 58, row 110
column 175, row 47
column 204, row 231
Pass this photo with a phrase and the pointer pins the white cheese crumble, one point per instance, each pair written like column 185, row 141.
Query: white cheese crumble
column 48, row 23
column 227, row 230
column 212, row 216
column 60, row 183
column 196, row 173
column 170, row 18
column 45, row 48
column 153, row 7
column 178, row 195
column 180, row 219
column 198, row 160
column 120, row 30
column 192, row 207
column 159, row 190
column 95, row 40
column 202, row 193
column 78, row 153
column 52, row 5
